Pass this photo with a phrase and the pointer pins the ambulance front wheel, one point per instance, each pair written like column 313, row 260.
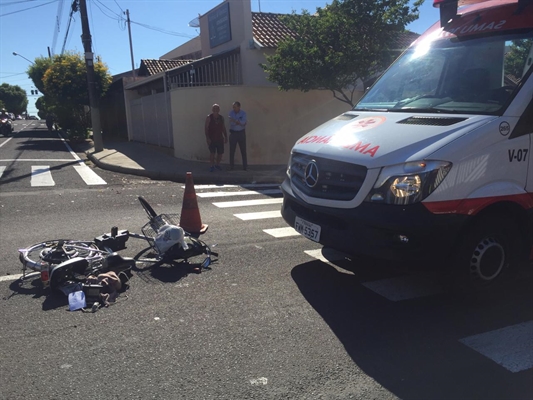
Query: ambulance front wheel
column 488, row 254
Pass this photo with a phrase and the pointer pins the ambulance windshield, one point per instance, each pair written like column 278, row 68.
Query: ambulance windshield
column 473, row 76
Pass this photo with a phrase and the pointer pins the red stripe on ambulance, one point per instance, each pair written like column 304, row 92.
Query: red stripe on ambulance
column 473, row 206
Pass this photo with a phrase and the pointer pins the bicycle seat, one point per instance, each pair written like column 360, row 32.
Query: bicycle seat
column 117, row 263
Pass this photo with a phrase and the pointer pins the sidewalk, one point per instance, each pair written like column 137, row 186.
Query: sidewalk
column 159, row 163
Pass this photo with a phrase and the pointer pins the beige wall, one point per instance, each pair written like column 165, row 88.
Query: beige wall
column 252, row 73
column 275, row 119
column 191, row 46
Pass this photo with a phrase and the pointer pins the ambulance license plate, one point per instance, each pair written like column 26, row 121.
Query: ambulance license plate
column 307, row 229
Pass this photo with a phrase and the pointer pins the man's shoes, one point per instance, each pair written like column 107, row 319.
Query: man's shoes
column 231, row 168
column 217, row 167
column 244, row 168
column 211, row 168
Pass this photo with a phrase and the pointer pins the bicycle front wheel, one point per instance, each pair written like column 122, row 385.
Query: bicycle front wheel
column 53, row 252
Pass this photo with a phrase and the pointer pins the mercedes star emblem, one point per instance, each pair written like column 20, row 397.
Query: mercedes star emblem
column 311, row 174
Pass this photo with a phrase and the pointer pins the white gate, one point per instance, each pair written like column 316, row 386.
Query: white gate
column 151, row 120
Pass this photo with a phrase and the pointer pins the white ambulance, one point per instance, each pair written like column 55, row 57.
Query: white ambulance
column 435, row 161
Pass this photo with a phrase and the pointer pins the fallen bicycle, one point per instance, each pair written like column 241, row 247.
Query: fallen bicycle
column 92, row 267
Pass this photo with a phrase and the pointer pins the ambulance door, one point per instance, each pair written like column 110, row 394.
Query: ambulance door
column 528, row 123
column 529, row 117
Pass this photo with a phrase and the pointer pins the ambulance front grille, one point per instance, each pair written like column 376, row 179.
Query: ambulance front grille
column 333, row 180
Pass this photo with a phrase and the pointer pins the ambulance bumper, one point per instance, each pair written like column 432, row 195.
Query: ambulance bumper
column 410, row 233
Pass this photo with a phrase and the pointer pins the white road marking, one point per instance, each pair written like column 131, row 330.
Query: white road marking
column 10, row 277
column 511, row 347
column 245, row 185
column 404, row 287
column 259, row 215
column 282, row 232
column 241, row 193
column 259, row 381
column 41, row 176
column 7, row 140
column 88, row 175
column 326, row 254
column 246, row 203
column 2, row 169
column 39, row 159
column 68, row 147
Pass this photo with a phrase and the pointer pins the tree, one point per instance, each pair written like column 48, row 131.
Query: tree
column 63, row 81
column 14, row 98
column 344, row 42
column 37, row 70
column 516, row 58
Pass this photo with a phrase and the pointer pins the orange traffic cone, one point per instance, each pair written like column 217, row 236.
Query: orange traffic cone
column 190, row 214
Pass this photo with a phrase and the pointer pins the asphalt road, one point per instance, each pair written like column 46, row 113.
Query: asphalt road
column 276, row 318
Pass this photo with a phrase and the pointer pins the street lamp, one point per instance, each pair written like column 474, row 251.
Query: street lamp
column 20, row 55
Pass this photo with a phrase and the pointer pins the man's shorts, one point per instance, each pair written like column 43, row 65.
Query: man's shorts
column 216, row 148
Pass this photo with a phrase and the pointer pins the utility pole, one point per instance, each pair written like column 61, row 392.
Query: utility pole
column 131, row 46
column 91, row 81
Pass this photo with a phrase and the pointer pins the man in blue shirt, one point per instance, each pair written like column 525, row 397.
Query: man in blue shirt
column 237, row 125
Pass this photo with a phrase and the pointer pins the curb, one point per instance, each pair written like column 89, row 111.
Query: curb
column 207, row 178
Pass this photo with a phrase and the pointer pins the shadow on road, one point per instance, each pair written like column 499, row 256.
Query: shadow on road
column 163, row 272
column 412, row 347
column 34, row 288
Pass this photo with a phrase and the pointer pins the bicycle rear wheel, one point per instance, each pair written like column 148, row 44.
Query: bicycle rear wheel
column 147, row 207
column 53, row 252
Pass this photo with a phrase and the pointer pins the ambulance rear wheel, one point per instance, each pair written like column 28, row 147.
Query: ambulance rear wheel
column 487, row 254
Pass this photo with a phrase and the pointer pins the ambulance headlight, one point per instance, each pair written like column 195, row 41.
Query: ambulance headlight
column 408, row 183
column 288, row 171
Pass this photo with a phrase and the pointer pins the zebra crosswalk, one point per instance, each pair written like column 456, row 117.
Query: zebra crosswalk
column 42, row 175
column 492, row 344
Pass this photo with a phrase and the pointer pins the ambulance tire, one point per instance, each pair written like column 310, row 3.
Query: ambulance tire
column 487, row 255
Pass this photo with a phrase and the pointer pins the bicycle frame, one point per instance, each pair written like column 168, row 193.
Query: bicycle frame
column 56, row 252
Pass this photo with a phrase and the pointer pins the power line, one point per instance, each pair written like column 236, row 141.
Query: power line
column 103, row 5
column 9, row 76
column 121, row 18
column 57, row 28
column 73, row 9
column 26, row 9
column 119, row 7
column 15, row 2
column 162, row 30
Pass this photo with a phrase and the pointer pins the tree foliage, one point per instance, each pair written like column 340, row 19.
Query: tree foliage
column 516, row 57
column 346, row 41
column 14, row 98
column 63, row 82
column 37, row 70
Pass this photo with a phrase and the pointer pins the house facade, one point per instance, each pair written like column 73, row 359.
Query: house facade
column 168, row 106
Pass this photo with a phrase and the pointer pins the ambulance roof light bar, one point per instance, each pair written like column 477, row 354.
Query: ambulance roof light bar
column 448, row 8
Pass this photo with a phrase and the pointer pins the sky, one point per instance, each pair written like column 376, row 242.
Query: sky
column 31, row 27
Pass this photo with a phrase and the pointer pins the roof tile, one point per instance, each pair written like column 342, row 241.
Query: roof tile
column 268, row 31
column 152, row 67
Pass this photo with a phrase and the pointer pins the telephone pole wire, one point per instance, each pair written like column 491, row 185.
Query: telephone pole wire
column 91, row 81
